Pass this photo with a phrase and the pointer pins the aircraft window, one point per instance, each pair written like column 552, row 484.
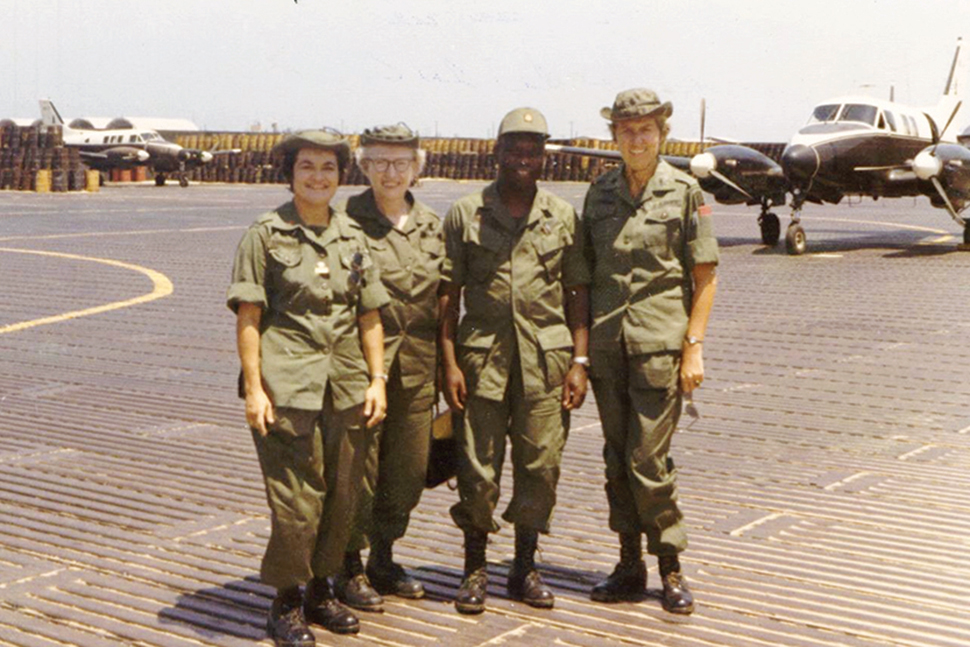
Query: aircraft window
column 891, row 120
column 859, row 112
column 910, row 125
column 824, row 113
column 148, row 136
column 132, row 139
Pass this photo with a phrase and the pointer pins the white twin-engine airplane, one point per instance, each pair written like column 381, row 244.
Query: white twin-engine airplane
column 850, row 146
column 128, row 147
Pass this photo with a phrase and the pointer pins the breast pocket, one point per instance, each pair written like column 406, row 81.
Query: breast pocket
column 662, row 235
column 550, row 247
column 485, row 254
column 285, row 250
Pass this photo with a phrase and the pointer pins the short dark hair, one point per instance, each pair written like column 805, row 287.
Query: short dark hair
column 289, row 161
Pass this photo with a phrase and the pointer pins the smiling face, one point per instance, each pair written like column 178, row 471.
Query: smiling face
column 390, row 169
column 639, row 141
column 520, row 158
column 316, row 176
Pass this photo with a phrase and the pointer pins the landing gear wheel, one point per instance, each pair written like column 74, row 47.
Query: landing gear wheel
column 160, row 179
column 795, row 241
column 770, row 229
column 183, row 181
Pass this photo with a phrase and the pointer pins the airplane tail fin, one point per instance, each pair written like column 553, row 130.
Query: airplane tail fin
column 49, row 116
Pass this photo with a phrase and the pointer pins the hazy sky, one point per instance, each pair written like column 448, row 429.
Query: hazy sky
column 456, row 67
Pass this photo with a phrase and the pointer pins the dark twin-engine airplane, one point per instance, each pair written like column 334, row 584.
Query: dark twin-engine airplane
column 850, row 146
column 127, row 147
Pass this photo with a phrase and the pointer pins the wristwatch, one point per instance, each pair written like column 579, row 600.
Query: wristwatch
column 582, row 360
column 381, row 376
column 693, row 341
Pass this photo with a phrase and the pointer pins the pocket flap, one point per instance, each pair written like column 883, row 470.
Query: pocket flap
column 555, row 337
column 474, row 338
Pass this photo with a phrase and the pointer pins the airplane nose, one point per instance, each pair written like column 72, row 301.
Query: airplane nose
column 800, row 163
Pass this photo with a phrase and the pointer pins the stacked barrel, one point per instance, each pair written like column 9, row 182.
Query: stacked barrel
column 251, row 160
column 34, row 158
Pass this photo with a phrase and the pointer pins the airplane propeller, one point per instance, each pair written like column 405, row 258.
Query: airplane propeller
column 704, row 165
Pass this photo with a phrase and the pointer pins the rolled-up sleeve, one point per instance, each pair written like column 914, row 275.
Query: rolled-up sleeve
column 249, row 272
column 453, row 267
column 702, row 242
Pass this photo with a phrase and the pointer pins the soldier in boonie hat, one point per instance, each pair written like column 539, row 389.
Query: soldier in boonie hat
column 524, row 120
column 327, row 139
column 638, row 102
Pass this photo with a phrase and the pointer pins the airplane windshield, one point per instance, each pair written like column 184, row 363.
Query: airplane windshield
column 149, row 136
column 859, row 112
column 824, row 113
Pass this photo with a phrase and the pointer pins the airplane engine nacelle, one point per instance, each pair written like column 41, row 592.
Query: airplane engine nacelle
column 944, row 172
column 126, row 155
column 735, row 174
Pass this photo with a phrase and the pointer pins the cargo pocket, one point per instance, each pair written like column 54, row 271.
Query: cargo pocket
column 556, row 345
column 655, row 371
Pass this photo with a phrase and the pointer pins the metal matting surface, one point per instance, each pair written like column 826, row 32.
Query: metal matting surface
column 826, row 485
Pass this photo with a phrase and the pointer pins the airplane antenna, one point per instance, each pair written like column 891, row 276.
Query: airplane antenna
column 950, row 89
column 892, row 93
column 703, row 115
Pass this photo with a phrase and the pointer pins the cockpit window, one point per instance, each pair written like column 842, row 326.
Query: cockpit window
column 149, row 136
column 134, row 139
column 859, row 112
column 824, row 113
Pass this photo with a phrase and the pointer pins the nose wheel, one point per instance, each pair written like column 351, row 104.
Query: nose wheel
column 795, row 242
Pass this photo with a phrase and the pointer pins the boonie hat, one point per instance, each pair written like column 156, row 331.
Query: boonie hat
column 397, row 135
column 328, row 139
column 638, row 102
column 524, row 120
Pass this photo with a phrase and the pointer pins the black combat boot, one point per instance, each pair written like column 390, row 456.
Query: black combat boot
column 629, row 578
column 286, row 624
column 353, row 588
column 322, row 608
column 474, row 587
column 677, row 598
column 390, row 578
column 525, row 583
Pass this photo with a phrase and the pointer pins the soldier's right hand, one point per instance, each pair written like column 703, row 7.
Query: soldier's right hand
column 455, row 390
column 259, row 412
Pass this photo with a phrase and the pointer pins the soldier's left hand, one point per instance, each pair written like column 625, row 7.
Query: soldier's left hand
column 375, row 403
column 691, row 368
column 574, row 387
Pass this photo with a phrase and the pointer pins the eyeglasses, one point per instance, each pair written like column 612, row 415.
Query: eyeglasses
column 381, row 165
column 355, row 266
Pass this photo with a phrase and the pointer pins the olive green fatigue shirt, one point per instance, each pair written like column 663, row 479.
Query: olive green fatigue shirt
column 641, row 252
column 409, row 260
column 311, row 287
column 513, row 271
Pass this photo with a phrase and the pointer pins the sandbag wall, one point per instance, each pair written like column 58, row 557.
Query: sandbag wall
column 33, row 158
column 452, row 158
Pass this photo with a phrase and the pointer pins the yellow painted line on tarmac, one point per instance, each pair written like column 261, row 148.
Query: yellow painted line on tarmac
column 161, row 287
column 137, row 232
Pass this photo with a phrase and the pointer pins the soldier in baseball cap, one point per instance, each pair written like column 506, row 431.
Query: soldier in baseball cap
column 520, row 368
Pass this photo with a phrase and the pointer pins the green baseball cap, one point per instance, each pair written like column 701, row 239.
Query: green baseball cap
column 524, row 120
column 638, row 102
column 397, row 135
column 328, row 139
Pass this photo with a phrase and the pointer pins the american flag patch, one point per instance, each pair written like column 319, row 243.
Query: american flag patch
column 704, row 210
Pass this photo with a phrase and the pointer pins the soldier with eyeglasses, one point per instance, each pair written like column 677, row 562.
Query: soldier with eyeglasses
column 406, row 242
